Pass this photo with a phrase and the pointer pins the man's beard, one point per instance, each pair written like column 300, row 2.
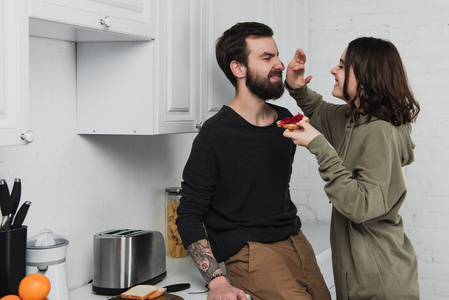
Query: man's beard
column 264, row 88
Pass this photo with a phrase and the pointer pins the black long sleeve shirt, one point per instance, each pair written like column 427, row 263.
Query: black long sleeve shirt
column 236, row 183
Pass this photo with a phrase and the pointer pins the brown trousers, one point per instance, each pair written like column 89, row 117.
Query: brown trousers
column 283, row 270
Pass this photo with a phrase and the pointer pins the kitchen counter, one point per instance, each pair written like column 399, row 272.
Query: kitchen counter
column 180, row 270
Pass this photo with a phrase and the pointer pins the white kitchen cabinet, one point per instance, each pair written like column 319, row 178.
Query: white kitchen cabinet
column 143, row 88
column 92, row 20
column 14, row 72
column 173, row 84
column 115, row 88
column 178, row 56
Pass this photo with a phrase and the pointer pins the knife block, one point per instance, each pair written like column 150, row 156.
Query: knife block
column 13, row 245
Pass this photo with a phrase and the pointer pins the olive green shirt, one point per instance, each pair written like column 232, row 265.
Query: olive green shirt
column 361, row 164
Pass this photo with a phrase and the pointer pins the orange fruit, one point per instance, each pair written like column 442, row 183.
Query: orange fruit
column 10, row 297
column 34, row 287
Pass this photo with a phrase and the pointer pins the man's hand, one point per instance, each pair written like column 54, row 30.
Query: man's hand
column 220, row 289
column 204, row 259
column 295, row 71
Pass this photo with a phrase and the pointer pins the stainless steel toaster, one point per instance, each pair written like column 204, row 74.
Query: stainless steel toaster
column 124, row 258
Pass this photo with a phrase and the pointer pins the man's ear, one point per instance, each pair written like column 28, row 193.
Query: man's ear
column 238, row 69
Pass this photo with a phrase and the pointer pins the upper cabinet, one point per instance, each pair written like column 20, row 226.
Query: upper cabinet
column 144, row 67
column 173, row 83
column 92, row 20
column 143, row 88
column 178, row 57
column 14, row 73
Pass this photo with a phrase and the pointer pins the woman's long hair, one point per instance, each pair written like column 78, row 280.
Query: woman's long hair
column 382, row 84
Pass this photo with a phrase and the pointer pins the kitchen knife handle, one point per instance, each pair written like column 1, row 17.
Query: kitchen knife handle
column 173, row 288
column 15, row 195
column 5, row 223
column 20, row 216
column 5, row 198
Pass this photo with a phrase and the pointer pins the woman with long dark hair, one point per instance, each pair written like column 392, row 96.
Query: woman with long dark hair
column 361, row 147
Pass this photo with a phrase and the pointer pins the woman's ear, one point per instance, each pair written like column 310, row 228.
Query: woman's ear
column 238, row 69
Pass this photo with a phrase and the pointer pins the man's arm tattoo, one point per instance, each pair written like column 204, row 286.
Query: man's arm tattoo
column 205, row 261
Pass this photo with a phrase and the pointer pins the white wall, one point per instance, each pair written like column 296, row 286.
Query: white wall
column 81, row 185
column 420, row 31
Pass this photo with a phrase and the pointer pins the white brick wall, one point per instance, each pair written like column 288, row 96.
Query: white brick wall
column 420, row 31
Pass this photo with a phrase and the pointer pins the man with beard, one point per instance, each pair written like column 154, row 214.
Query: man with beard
column 236, row 184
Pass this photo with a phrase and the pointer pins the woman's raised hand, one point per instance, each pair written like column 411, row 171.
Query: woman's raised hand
column 295, row 71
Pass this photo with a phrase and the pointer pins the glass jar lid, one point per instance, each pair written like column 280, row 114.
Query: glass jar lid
column 173, row 190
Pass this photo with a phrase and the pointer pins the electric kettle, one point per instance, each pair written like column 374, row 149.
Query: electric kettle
column 46, row 254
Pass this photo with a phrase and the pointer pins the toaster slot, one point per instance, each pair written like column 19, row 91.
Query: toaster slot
column 111, row 232
column 136, row 232
column 132, row 232
column 119, row 233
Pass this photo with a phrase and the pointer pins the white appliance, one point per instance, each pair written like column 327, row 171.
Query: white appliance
column 46, row 254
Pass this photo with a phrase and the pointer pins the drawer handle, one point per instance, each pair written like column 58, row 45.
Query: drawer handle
column 106, row 21
column 27, row 136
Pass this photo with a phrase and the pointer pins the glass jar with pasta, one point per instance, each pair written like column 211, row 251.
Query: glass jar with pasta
column 175, row 247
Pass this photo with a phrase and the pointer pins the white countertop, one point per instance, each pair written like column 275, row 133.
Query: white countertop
column 183, row 270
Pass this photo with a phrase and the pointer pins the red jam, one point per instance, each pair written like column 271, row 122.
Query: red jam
column 291, row 120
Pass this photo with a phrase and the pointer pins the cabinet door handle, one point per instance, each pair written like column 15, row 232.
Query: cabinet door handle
column 106, row 21
column 27, row 136
column 199, row 125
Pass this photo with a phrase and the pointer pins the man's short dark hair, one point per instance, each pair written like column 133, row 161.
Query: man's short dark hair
column 232, row 45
